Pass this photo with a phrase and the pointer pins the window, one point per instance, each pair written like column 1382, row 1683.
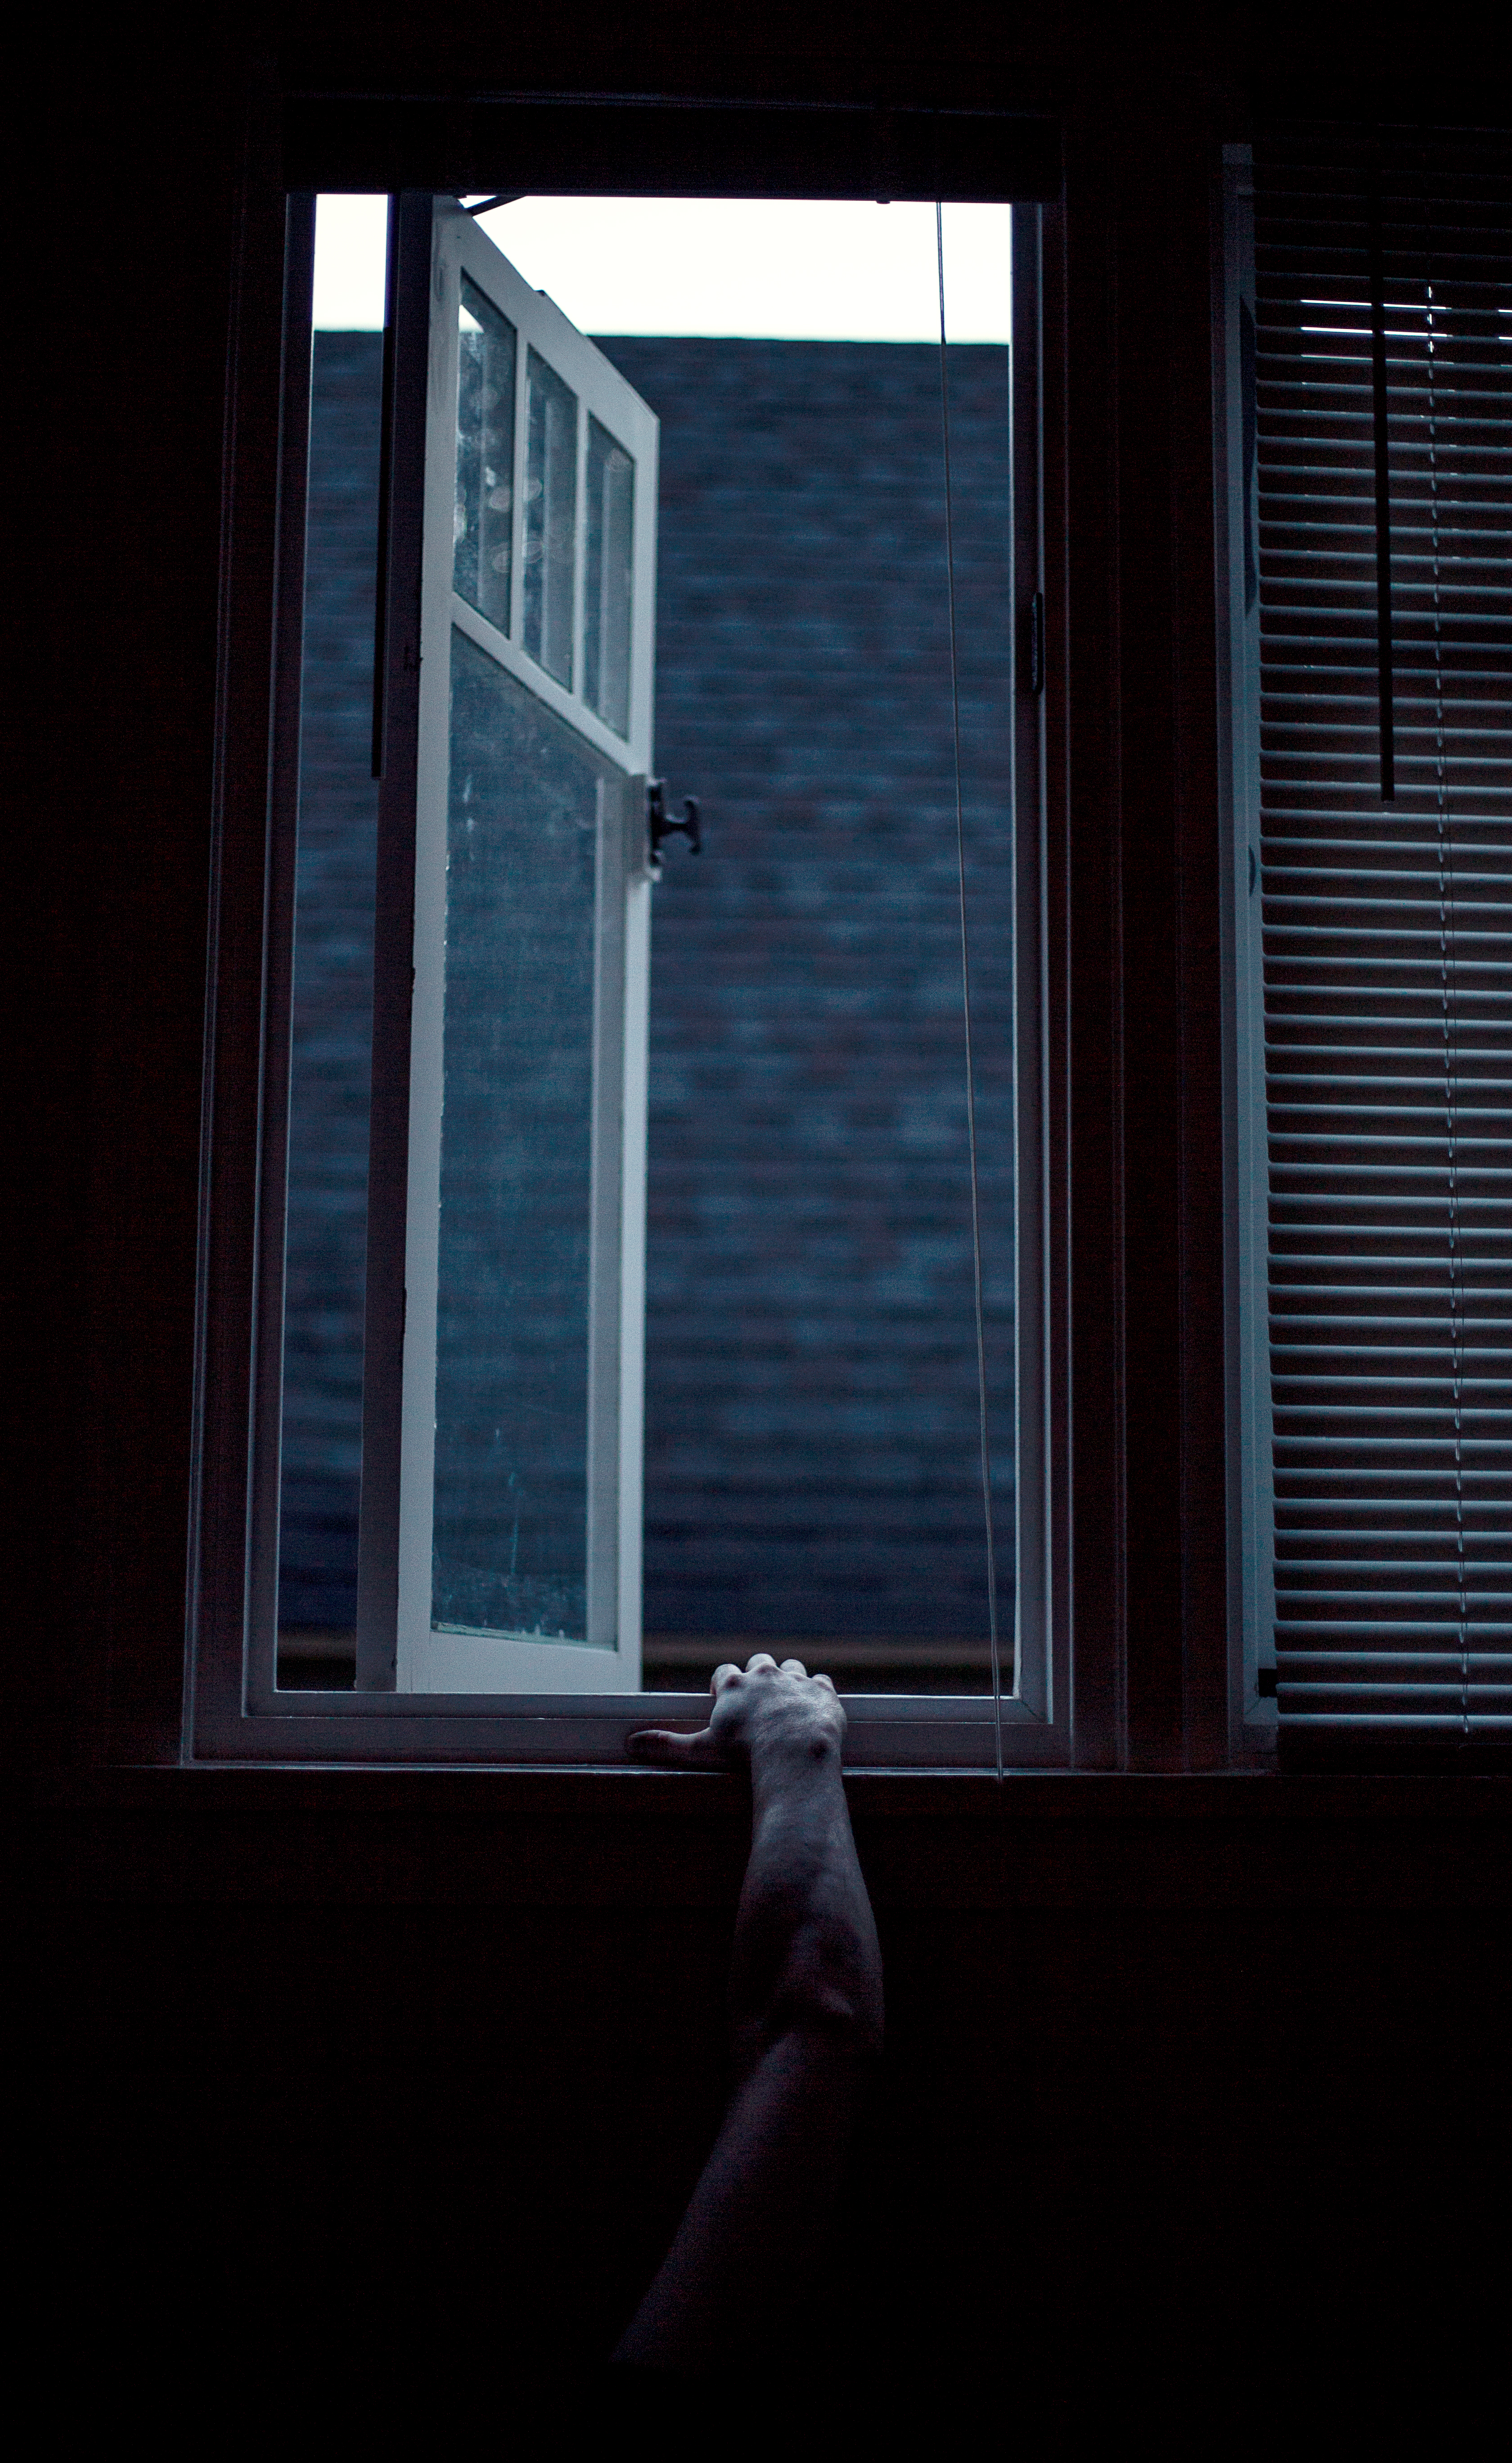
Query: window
column 519, row 1040
column 521, row 497
column 1369, row 494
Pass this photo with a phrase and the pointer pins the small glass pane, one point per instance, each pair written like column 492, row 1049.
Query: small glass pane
column 510, row 1528
column 610, row 578
column 484, row 523
column 550, row 518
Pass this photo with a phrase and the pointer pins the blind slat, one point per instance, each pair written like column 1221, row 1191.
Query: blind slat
column 1386, row 930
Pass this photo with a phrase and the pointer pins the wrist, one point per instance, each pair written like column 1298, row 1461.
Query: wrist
column 788, row 1769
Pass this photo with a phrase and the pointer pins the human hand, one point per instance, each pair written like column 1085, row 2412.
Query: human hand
column 760, row 1713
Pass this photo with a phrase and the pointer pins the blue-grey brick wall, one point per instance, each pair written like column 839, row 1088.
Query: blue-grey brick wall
column 333, row 1006
column 811, row 1464
column 811, row 1438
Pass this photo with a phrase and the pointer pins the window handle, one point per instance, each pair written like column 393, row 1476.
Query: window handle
column 662, row 825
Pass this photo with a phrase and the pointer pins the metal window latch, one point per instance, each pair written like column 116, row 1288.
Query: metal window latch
column 662, row 825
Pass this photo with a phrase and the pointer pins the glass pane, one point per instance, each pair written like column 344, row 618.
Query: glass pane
column 812, row 1474
column 610, row 578
column 484, row 523
column 330, row 1055
column 550, row 518
column 512, row 1363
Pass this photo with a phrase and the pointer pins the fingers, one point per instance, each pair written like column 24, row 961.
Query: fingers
column 796, row 1667
column 674, row 1748
column 759, row 1665
column 727, row 1672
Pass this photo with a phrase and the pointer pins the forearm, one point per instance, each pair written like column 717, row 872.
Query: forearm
column 806, row 1949
column 806, row 2005
column 753, row 2232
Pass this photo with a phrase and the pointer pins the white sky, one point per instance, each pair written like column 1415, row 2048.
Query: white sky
column 797, row 271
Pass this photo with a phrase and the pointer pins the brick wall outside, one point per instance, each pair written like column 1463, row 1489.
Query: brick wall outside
column 812, row 1442
column 811, row 1435
column 332, row 1008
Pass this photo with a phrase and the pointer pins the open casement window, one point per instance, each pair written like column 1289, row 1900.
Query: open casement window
column 495, row 1367
column 518, row 1215
column 1368, row 355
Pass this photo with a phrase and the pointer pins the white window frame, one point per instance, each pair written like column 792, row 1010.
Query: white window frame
column 609, row 1662
column 1251, row 1482
column 236, row 1711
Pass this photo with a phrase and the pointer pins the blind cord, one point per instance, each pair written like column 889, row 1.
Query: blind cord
column 966, row 1004
column 1448, row 960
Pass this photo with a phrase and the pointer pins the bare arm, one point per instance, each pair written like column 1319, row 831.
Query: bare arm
column 805, row 2009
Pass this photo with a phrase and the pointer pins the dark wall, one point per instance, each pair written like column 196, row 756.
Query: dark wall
column 1194, row 2116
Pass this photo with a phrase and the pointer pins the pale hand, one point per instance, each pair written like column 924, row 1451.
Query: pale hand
column 760, row 1712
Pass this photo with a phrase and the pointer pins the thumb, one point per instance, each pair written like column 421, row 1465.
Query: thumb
column 674, row 1747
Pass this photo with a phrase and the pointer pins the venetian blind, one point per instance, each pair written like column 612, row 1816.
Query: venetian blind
column 1384, row 397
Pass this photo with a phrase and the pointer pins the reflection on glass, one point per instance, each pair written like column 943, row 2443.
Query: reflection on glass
column 509, row 1545
column 550, row 518
column 611, row 578
column 484, row 522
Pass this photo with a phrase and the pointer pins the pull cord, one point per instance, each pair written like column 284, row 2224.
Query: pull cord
column 965, row 1003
